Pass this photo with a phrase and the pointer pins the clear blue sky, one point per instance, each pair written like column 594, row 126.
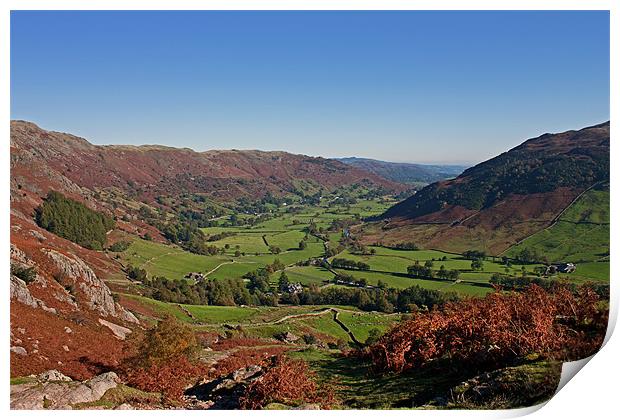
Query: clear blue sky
column 446, row 87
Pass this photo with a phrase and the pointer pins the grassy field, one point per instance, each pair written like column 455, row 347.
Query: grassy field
column 244, row 242
column 581, row 235
column 306, row 275
column 168, row 261
column 361, row 323
column 267, row 322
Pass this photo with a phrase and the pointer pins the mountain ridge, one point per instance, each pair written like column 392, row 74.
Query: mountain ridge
column 225, row 174
column 504, row 199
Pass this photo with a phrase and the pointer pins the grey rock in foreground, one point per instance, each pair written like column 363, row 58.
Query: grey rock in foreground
column 223, row 393
column 54, row 390
column 53, row 376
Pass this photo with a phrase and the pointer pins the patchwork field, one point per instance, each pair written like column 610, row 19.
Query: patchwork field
column 580, row 235
column 166, row 260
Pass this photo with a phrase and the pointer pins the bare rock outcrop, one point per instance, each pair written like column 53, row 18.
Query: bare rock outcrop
column 224, row 392
column 19, row 350
column 19, row 289
column 20, row 293
column 54, row 391
column 96, row 291
column 119, row 331
column 53, row 376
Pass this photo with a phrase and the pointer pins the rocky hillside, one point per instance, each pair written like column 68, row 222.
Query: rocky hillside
column 408, row 173
column 500, row 201
column 70, row 162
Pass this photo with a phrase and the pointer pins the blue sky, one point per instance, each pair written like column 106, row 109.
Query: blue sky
column 440, row 87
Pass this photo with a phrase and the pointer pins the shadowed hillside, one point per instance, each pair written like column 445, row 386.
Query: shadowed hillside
column 409, row 173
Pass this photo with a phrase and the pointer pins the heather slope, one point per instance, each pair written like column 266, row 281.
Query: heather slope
column 148, row 171
column 503, row 200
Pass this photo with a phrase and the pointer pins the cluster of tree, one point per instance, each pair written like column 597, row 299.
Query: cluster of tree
column 245, row 205
column 312, row 229
column 269, row 198
column 258, row 291
column 235, row 220
column 220, row 236
column 119, row 246
column 350, row 280
column 426, row 271
column 334, row 250
column 345, row 200
column 199, row 219
column 361, row 249
column 355, row 246
column 406, row 246
column 445, row 274
column 312, row 199
column 136, row 273
column 529, row 256
column 168, row 339
column 189, row 237
column 381, row 299
column 274, row 249
column 180, row 233
column 259, row 278
column 74, row 221
column 148, row 215
column 294, row 209
column 205, row 292
column 349, row 264
column 477, row 259
column 473, row 254
column 477, row 265
column 520, row 283
column 283, row 282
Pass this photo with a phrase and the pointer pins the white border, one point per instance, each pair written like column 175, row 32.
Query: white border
column 593, row 395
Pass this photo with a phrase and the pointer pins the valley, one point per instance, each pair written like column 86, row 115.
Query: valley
column 247, row 248
column 218, row 272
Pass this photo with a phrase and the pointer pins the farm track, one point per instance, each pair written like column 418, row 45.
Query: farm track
column 334, row 311
column 218, row 267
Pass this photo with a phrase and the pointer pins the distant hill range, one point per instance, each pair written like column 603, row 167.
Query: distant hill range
column 53, row 160
column 503, row 200
column 408, row 173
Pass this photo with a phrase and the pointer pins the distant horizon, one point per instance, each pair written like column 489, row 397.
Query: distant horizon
column 422, row 163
